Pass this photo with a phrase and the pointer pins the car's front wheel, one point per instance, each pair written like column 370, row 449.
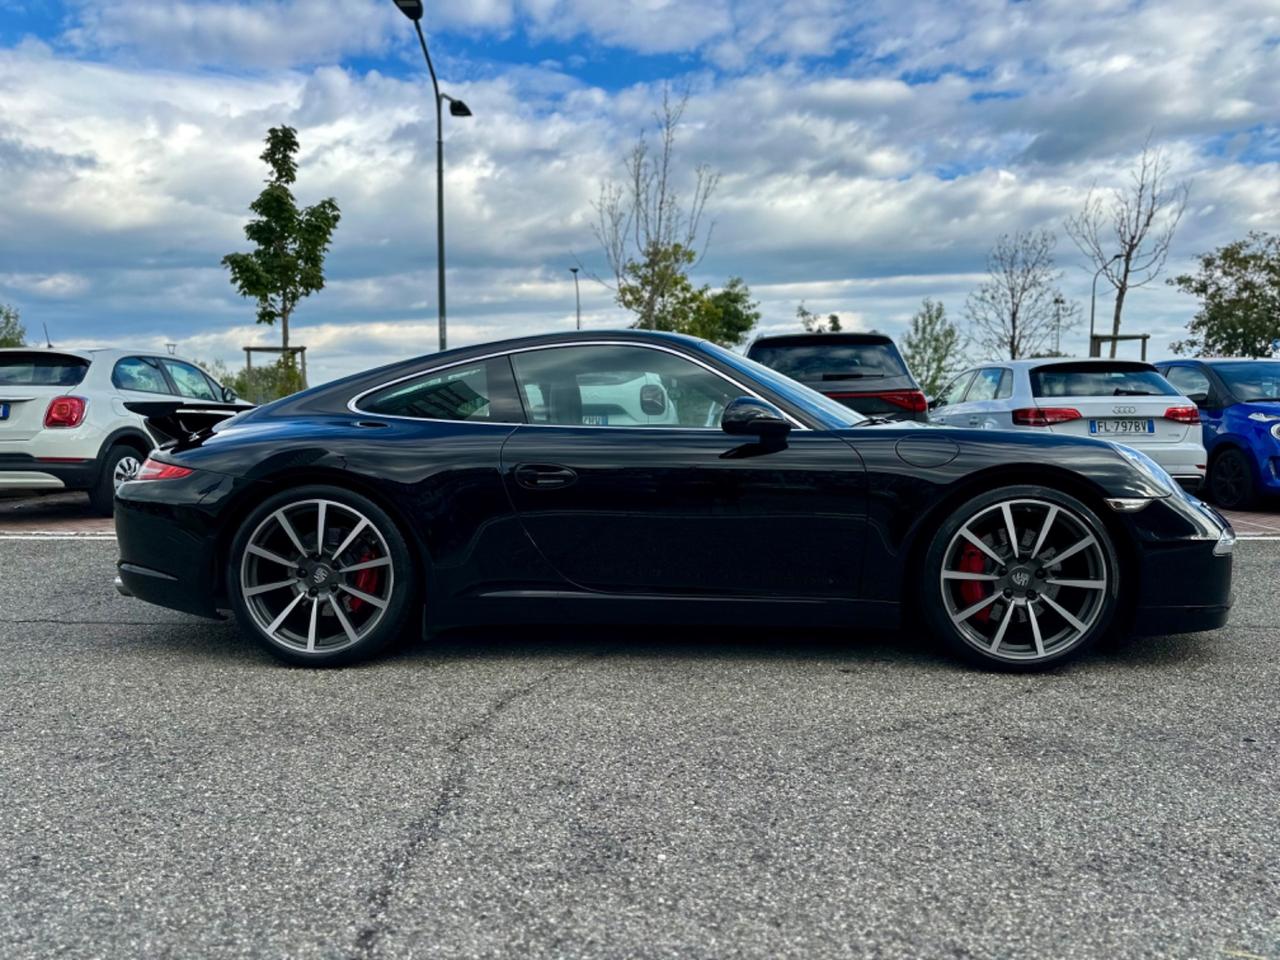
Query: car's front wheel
column 322, row 576
column 1021, row 578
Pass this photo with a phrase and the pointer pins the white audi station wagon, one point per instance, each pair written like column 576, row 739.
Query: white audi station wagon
column 1124, row 400
column 63, row 420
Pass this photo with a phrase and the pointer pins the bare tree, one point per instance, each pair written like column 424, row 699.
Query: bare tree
column 1127, row 236
column 1017, row 310
column 644, row 219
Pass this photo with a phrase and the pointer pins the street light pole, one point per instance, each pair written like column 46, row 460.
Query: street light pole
column 1058, row 303
column 1093, row 304
column 413, row 10
column 577, row 294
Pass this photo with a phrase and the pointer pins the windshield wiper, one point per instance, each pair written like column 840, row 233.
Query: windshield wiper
column 873, row 421
column 853, row 376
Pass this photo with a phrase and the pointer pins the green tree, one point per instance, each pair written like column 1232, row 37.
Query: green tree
column 1239, row 290
column 12, row 332
column 658, row 290
column 932, row 347
column 815, row 324
column 287, row 263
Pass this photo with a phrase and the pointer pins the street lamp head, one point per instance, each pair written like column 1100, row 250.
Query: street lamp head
column 411, row 9
column 573, row 270
column 457, row 108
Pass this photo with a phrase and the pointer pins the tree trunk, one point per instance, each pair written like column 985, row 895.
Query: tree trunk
column 1115, row 317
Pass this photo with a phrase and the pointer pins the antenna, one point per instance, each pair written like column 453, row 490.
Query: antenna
column 47, row 342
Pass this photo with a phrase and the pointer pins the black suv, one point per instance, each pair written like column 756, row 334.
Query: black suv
column 861, row 370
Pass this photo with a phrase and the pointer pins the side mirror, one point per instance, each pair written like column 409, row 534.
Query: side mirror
column 1199, row 399
column 935, row 403
column 229, row 395
column 749, row 417
column 653, row 400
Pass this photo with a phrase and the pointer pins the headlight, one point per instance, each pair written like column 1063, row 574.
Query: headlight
column 1148, row 468
column 1275, row 431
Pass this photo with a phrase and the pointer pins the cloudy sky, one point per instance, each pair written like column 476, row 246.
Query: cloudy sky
column 870, row 151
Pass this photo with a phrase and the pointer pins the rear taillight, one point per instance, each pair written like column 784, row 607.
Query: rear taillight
column 1183, row 414
column 155, row 469
column 65, row 412
column 1044, row 416
column 912, row 400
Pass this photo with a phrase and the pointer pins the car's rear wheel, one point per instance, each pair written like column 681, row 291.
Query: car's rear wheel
column 120, row 465
column 1231, row 481
column 321, row 576
column 1021, row 578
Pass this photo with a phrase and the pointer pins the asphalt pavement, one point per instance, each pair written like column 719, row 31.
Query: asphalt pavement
column 170, row 791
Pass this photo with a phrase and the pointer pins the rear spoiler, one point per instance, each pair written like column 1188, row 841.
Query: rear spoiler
column 172, row 421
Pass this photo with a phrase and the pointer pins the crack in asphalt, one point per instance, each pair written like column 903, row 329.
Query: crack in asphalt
column 426, row 830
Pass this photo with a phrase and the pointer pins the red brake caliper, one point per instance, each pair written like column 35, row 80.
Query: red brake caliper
column 971, row 591
column 366, row 581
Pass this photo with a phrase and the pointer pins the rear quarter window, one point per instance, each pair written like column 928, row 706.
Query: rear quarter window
column 1099, row 380
column 36, row 369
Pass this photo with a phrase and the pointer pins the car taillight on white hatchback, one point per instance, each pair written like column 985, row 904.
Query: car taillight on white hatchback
column 66, row 412
column 154, row 469
column 1044, row 416
column 1183, row 414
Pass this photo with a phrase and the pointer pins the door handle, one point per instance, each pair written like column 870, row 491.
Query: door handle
column 544, row 476
column 973, row 421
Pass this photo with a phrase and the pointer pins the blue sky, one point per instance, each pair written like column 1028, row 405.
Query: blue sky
column 870, row 152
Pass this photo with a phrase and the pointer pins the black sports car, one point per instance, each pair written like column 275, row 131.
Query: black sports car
column 648, row 477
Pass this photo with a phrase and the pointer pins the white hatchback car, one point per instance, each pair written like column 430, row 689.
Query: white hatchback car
column 1121, row 400
column 63, row 421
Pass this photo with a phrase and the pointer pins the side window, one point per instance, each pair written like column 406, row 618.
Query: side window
column 1189, row 381
column 619, row 386
column 191, row 383
column 478, row 391
column 986, row 385
column 139, row 373
column 954, row 391
column 1006, row 385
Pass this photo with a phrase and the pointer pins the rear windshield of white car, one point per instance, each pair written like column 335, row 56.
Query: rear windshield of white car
column 1099, row 380
column 831, row 361
column 37, row 369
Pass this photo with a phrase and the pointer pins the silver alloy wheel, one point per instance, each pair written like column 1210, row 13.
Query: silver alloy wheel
column 317, row 576
column 1024, row 579
column 125, row 470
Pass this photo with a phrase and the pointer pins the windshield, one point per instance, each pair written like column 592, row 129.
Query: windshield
column 1099, row 380
column 831, row 361
column 1251, row 380
column 823, row 409
column 36, row 369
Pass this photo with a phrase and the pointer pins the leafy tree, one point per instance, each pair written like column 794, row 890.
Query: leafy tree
column 1239, row 290
column 12, row 332
column 1018, row 309
column 933, row 347
column 659, row 291
column 814, row 324
column 651, row 235
column 258, row 384
column 287, row 263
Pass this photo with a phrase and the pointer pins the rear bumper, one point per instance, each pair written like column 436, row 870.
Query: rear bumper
column 20, row 471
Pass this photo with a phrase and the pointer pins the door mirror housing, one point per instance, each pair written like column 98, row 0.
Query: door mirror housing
column 935, row 403
column 229, row 395
column 653, row 400
column 1201, row 400
column 749, row 417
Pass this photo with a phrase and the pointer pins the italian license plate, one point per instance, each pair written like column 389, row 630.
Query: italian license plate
column 595, row 419
column 1122, row 427
column 4, row 411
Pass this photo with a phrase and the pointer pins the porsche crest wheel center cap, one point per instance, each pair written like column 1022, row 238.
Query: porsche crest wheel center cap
column 1021, row 579
column 319, row 577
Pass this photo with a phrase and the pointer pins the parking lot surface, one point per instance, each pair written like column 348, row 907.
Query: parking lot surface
column 170, row 791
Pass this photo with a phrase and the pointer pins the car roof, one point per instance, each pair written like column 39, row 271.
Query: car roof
column 94, row 353
column 1038, row 362
column 1214, row 360
column 800, row 339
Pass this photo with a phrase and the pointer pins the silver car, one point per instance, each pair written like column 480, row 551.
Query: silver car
column 1120, row 400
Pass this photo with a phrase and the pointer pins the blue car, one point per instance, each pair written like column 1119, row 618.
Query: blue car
column 1239, row 403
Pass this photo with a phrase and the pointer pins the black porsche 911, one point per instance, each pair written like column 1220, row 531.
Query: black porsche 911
column 645, row 477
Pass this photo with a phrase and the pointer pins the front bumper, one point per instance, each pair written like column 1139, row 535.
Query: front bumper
column 1185, row 567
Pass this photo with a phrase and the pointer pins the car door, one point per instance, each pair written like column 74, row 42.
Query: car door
column 949, row 407
column 984, row 404
column 646, row 493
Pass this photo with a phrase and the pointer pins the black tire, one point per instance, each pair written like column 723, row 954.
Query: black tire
column 1230, row 481
column 1018, row 602
column 353, row 638
column 102, row 495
